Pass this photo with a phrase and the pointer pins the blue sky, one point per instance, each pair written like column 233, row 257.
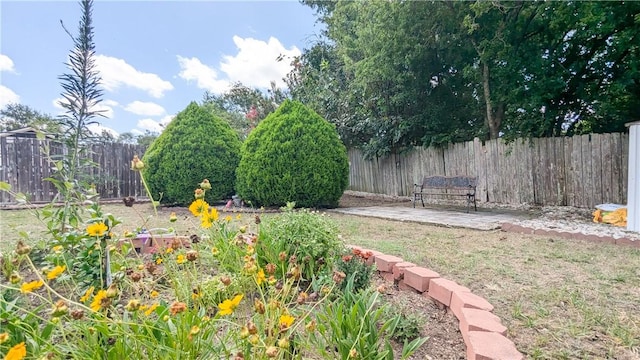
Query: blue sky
column 154, row 57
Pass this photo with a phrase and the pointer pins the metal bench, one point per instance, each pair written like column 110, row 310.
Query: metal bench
column 447, row 186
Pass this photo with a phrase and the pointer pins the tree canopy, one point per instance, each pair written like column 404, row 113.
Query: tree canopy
column 396, row 74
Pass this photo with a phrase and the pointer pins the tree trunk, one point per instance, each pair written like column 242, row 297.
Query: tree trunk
column 493, row 119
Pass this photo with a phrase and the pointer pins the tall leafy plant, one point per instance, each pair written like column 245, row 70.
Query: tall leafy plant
column 81, row 96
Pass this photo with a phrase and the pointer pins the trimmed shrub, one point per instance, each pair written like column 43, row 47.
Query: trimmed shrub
column 196, row 145
column 293, row 155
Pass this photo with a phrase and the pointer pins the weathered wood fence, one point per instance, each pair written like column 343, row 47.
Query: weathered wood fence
column 580, row 171
column 24, row 166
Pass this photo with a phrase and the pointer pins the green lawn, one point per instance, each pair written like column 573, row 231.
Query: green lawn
column 560, row 299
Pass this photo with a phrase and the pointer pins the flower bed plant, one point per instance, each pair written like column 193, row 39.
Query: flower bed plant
column 243, row 288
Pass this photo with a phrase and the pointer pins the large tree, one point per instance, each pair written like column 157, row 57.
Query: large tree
column 16, row 116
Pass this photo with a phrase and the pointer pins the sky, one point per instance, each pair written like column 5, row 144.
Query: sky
column 154, row 57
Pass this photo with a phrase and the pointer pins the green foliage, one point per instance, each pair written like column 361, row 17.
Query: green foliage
column 356, row 326
column 408, row 327
column 354, row 266
column 16, row 116
column 195, row 145
column 293, row 155
column 311, row 238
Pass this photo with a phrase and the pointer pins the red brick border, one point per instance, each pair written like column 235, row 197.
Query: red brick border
column 508, row 227
column 482, row 331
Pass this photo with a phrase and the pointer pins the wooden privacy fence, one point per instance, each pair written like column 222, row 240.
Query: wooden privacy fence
column 580, row 171
column 24, row 166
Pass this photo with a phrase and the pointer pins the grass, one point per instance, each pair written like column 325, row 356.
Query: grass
column 560, row 299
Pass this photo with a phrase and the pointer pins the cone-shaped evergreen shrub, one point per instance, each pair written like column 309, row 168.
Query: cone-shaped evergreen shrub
column 293, row 155
column 196, row 145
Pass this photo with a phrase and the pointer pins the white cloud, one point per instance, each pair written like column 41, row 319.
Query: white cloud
column 116, row 72
column 6, row 64
column 7, row 96
column 145, row 108
column 98, row 129
column 204, row 76
column 166, row 120
column 255, row 65
column 105, row 107
column 150, row 124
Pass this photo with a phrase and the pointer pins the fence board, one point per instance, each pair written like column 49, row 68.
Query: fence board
column 575, row 171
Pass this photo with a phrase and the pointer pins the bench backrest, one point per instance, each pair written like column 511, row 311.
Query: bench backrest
column 449, row 182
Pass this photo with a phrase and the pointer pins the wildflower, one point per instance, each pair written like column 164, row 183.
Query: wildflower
column 228, row 306
column 159, row 261
column 227, row 218
column 99, row 301
column 353, row 353
column 271, row 351
column 215, row 251
column 243, row 229
column 177, row 307
column 205, row 184
column 311, row 326
column 55, row 272
column 338, row 276
column 250, row 250
column 151, row 309
column 272, row 280
column 4, row 337
column 208, row 217
column 285, row 321
column 195, row 293
column 198, row 194
column 15, row 278
column 77, row 314
column 282, row 256
column 225, row 280
column 254, row 339
column 87, row 294
column 112, row 291
column 173, row 217
column 57, row 249
column 180, row 259
column 133, row 305
column 347, row 258
column 22, row 248
column 97, row 229
column 260, row 277
column 271, row 268
column 136, row 163
column 258, row 306
column 283, row 343
column 244, row 332
column 30, row 286
column 239, row 216
column 154, row 294
column 169, row 250
column 302, row 298
column 252, row 328
column 192, row 255
column 194, row 330
column 59, row 308
column 198, row 207
column 17, row 352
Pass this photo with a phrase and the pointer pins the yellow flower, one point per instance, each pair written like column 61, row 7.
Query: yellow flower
column 87, row 294
column 227, row 218
column 159, row 261
column 286, row 321
column 208, row 217
column 198, row 207
column 154, row 294
column 215, row 251
column 194, row 330
column 57, row 249
column 169, row 250
column 4, row 337
column 238, row 216
column 151, row 309
column 180, row 259
column 97, row 229
column 17, row 352
column 96, row 304
column 260, row 277
column 228, row 306
column 55, row 272
column 30, row 286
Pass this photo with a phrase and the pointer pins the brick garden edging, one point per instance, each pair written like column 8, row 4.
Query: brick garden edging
column 514, row 228
column 482, row 331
